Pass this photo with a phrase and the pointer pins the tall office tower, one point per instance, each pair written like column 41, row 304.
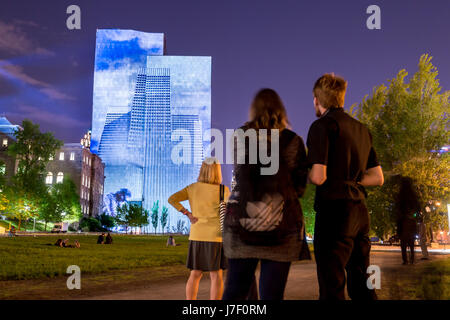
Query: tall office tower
column 191, row 127
column 158, row 167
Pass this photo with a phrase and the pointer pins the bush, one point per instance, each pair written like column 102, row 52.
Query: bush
column 107, row 221
column 91, row 224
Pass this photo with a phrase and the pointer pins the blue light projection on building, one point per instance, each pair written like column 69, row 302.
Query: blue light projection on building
column 140, row 98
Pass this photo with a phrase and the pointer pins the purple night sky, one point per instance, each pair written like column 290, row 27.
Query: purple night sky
column 46, row 70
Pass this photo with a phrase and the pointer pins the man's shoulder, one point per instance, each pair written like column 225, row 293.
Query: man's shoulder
column 355, row 122
column 324, row 122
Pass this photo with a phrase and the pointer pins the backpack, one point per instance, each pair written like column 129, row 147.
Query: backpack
column 259, row 217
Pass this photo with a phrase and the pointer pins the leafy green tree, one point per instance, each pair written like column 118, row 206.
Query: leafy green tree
column 106, row 221
column 2, row 174
column 3, row 202
column 409, row 124
column 432, row 178
column 32, row 149
column 164, row 216
column 132, row 215
column 20, row 206
column 92, row 224
column 309, row 213
column 60, row 202
column 154, row 215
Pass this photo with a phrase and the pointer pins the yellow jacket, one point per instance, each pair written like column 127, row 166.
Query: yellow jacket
column 204, row 202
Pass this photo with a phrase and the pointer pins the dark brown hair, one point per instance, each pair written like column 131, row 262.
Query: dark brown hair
column 330, row 90
column 267, row 111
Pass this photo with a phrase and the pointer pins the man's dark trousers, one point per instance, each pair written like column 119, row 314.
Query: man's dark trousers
column 341, row 243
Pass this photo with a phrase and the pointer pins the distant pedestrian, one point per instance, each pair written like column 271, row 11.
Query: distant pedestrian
column 108, row 239
column 205, row 239
column 101, row 239
column 407, row 207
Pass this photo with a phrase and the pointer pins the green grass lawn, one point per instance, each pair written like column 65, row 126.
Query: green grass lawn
column 435, row 281
column 36, row 257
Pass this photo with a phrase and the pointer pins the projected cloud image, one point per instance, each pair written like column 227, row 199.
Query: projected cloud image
column 139, row 100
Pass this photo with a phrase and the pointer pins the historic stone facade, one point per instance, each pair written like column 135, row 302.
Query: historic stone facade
column 8, row 164
column 87, row 172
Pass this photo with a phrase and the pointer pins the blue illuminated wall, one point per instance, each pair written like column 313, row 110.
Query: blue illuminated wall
column 140, row 98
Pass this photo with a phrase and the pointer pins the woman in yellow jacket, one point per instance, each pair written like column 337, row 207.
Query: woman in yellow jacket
column 205, row 238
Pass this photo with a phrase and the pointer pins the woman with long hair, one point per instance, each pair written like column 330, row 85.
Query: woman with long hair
column 205, row 238
column 264, row 221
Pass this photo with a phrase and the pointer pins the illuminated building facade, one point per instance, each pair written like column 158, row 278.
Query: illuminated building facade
column 156, row 96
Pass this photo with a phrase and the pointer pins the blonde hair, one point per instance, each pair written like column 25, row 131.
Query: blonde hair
column 210, row 171
column 330, row 90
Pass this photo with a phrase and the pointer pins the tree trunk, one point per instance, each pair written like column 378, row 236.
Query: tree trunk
column 20, row 220
column 45, row 226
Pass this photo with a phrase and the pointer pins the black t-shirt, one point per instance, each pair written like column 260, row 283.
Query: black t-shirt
column 344, row 145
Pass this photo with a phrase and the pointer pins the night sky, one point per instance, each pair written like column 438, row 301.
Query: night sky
column 46, row 70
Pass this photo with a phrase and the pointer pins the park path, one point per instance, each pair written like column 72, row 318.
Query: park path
column 301, row 285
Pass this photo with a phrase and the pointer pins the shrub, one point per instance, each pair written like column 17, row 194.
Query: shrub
column 91, row 224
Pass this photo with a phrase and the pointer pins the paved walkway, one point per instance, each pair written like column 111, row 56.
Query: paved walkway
column 301, row 285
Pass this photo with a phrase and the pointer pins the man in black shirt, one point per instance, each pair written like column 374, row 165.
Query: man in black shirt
column 342, row 162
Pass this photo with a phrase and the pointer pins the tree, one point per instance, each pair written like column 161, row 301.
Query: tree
column 309, row 213
column 3, row 201
column 60, row 202
column 409, row 125
column 33, row 150
column 132, row 215
column 2, row 174
column 164, row 216
column 432, row 177
column 20, row 206
column 106, row 221
column 154, row 215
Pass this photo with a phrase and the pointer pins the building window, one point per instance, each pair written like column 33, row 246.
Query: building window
column 59, row 177
column 5, row 142
column 72, row 156
column 49, row 178
column 61, row 156
column 88, row 196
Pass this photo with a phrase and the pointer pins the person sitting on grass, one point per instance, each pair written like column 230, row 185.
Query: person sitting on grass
column 108, row 239
column 12, row 232
column 171, row 242
column 58, row 243
column 67, row 245
column 101, row 239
